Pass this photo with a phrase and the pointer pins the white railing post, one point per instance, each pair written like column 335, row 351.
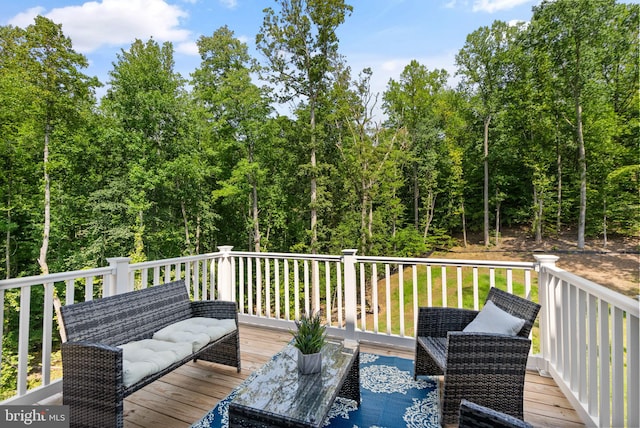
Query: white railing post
column 225, row 285
column 545, row 297
column 350, row 293
column 120, row 279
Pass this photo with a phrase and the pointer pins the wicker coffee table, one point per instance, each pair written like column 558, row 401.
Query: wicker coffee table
column 279, row 396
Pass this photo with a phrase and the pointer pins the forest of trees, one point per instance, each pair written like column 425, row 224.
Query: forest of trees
column 542, row 132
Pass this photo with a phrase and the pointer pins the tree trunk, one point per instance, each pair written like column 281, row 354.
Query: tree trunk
column 430, row 213
column 187, row 241
column 370, row 229
column 197, row 248
column 604, row 225
column 464, row 226
column 497, row 221
column 537, row 226
column 314, row 190
column 256, row 223
column 583, row 175
column 416, row 198
column 7, row 250
column 42, row 259
column 363, row 218
column 559, row 210
column 487, row 121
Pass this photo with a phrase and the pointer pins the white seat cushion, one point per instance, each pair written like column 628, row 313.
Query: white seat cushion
column 198, row 331
column 144, row 357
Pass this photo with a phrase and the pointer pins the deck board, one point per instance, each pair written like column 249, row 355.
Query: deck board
column 182, row 397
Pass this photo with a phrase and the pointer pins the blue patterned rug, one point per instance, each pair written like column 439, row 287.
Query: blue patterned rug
column 389, row 398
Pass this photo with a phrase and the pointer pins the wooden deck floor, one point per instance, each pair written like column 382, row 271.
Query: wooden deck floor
column 182, row 397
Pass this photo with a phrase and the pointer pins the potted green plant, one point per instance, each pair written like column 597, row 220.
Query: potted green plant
column 309, row 338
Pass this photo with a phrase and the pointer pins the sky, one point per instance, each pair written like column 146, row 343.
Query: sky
column 384, row 35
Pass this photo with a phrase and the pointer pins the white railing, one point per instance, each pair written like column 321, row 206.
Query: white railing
column 20, row 294
column 593, row 358
column 589, row 343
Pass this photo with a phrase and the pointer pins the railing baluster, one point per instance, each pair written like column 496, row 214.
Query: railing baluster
column 429, row 287
column 339, row 280
column 69, row 292
column 374, row 295
column 205, row 281
column 572, row 342
column 276, row 268
column 156, row 275
column 401, row 297
column 443, row 276
column 307, row 307
column 287, row 309
column 633, row 370
column 267, row 286
column 327, row 290
column 592, row 379
column 88, row 288
column 566, row 333
column 250, row 285
column 414, row 270
column 492, row 277
column 581, row 350
column 604, row 406
column 47, row 328
column 241, row 284
column 617, row 368
column 363, row 298
column 476, row 293
column 387, row 272
column 459, row 285
column 23, row 339
column 259, row 303
column 315, row 284
column 296, row 289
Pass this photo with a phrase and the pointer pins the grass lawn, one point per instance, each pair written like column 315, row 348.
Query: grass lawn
column 451, row 292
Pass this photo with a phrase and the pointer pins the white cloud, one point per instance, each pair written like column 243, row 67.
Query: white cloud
column 114, row 22
column 491, row 6
column 229, row 4
column 188, row 48
column 24, row 19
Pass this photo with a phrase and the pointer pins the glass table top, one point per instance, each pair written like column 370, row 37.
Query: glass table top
column 279, row 389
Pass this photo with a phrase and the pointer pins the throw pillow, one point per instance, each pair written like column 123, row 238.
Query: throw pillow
column 492, row 319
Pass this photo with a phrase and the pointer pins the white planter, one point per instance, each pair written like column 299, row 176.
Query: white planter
column 309, row 363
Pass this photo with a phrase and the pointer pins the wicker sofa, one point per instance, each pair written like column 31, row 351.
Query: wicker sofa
column 109, row 350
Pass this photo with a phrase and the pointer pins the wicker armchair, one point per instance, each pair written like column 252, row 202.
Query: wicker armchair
column 473, row 415
column 486, row 368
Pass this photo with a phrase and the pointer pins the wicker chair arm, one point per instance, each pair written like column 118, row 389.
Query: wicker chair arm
column 219, row 309
column 437, row 322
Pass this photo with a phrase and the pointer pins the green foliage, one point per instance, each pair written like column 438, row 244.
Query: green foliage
column 162, row 167
column 310, row 334
column 623, row 208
